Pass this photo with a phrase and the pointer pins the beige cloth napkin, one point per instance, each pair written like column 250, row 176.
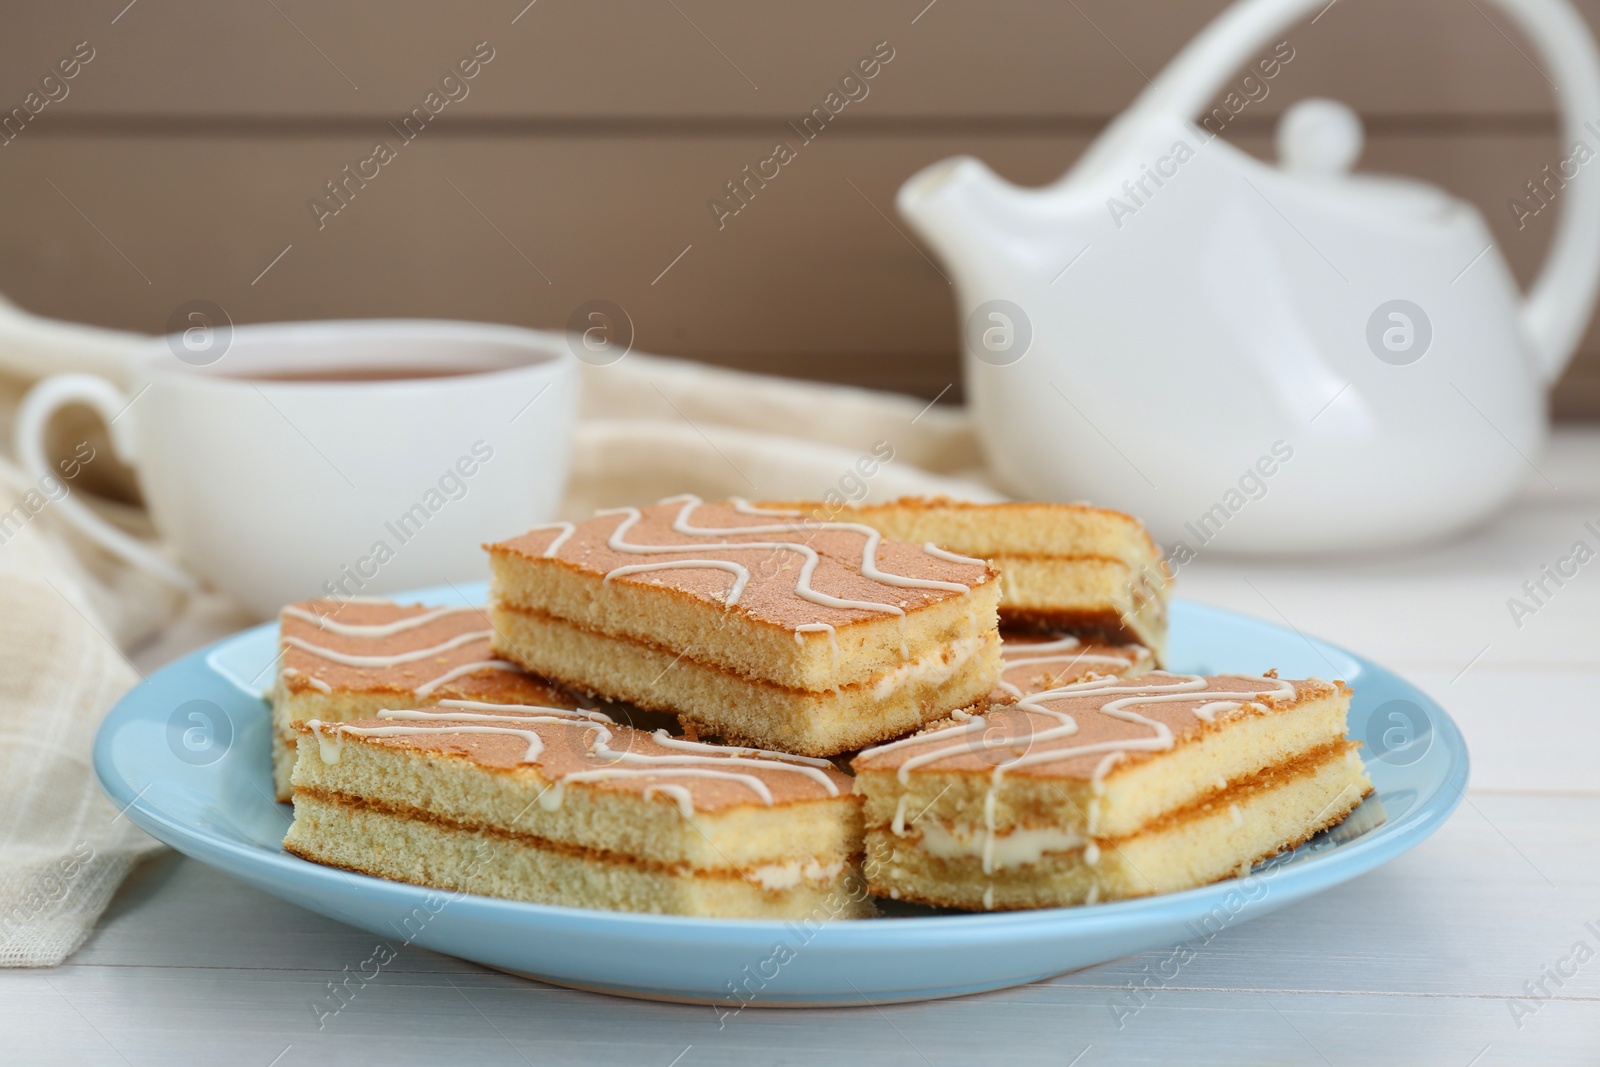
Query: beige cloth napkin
column 63, row 847
column 651, row 427
column 71, row 616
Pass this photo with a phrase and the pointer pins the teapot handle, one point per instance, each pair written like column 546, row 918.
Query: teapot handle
column 1560, row 301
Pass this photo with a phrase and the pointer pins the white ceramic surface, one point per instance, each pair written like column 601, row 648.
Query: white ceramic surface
column 275, row 491
column 1173, row 318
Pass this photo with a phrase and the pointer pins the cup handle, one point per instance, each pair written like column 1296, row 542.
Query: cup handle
column 112, row 405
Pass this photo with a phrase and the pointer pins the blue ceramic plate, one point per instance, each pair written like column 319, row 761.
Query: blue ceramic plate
column 187, row 755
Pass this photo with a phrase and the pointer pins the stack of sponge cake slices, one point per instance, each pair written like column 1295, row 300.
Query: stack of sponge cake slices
column 656, row 711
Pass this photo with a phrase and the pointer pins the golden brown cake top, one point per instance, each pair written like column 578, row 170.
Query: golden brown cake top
column 1084, row 729
column 1037, row 662
column 778, row 567
column 586, row 748
column 378, row 646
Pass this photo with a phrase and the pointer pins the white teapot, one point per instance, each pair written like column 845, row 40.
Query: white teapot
column 1278, row 359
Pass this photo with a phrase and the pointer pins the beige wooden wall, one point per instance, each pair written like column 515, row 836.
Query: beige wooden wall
column 579, row 165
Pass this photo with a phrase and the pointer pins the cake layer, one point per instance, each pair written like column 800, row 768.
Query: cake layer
column 481, row 780
column 1223, row 836
column 769, row 595
column 898, row 699
column 1087, row 570
column 1102, row 757
column 578, row 779
column 1089, row 596
column 1034, row 662
column 408, row 847
column 1018, row 528
column 567, row 807
column 343, row 660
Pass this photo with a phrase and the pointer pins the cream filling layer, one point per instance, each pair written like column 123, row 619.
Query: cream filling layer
column 775, row 877
column 931, row 668
column 1017, row 848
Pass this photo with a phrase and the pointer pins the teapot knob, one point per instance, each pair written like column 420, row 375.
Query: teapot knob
column 1319, row 138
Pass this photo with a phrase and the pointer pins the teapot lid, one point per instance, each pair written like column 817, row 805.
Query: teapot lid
column 1319, row 142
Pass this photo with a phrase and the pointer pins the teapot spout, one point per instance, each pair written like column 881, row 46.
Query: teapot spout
column 967, row 213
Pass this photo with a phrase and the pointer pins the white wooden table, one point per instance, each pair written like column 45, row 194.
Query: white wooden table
column 1434, row 959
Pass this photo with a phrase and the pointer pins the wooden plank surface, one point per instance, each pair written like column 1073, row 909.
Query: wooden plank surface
column 1411, row 965
column 181, row 159
column 721, row 58
column 527, row 230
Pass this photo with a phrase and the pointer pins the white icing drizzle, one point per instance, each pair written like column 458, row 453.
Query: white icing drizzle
column 740, row 757
column 679, row 794
column 869, row 568
column 817, row 628
column 869, row 550
column 968, row 721
column 750, row 781
column 427, row 688
column 1071, row 659
column 1066, row 650
column 380, row 629
column 567, row 530
column 950, row 557
column 1097, row 781
column 543, row 709
column 312, row 680
column 1148, row 693
column 1208, row 712
column 699, row 760
column 329, row 746
column 453, row 711
column 389, row 629
column 744, row 507
column 452, row 718
column 898, row 826
column 802, row 584
column 666, row 740
column 535, row 744
column 1025, row 651
column 1074, row 657
column 1030, row 648
column 393, row 659
column 741, row 574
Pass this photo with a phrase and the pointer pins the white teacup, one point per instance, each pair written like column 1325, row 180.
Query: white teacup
column 327, row 458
